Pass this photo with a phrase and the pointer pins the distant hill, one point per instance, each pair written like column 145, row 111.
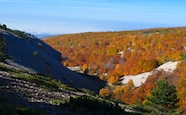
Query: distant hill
column 122, row 53
column 30, row 52
column 117, row 56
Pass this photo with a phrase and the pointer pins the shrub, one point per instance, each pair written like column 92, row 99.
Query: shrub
column 35, row 53
column 105, row 92
column 92, row 106
column 59, row 101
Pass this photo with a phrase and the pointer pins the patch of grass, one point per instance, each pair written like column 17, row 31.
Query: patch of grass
column 42, row 81
column 6, row 69
column 59, row 101
column 140, row 107
column 87, row 91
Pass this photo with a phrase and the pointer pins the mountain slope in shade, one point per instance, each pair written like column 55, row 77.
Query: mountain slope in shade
column 32, row 53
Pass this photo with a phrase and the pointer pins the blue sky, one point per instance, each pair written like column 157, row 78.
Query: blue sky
column 74, row 16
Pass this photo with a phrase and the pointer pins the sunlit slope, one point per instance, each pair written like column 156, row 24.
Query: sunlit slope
column 121, row 53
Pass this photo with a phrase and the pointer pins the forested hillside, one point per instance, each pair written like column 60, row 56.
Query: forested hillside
column 121, row 53
column 112, row 55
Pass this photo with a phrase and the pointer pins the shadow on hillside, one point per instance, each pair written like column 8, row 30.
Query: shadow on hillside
column 13, row 102
column 95, row 78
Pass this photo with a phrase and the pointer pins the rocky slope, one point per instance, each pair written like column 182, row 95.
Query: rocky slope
column 19, row 88
column 21, row 92
column 32, row 53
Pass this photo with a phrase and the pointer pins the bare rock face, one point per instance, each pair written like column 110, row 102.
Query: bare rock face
column 139, row 79
column 32, row 53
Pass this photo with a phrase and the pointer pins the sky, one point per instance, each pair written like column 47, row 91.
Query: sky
column 51, row 17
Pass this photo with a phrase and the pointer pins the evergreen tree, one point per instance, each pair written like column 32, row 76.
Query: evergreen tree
column 163, row 98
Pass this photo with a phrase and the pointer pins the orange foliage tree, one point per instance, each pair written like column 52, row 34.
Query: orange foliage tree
column 104, row 92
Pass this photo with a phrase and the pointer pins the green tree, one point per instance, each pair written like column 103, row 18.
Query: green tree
column 183, row 56
column 163, row 99
column 4, row 27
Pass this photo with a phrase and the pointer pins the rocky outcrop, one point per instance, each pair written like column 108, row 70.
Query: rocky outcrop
column 140, row 79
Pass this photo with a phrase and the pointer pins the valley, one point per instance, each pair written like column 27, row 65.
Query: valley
column 92, row 57
column 115, row 70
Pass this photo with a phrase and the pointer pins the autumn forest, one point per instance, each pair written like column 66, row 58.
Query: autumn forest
column 112, row 55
